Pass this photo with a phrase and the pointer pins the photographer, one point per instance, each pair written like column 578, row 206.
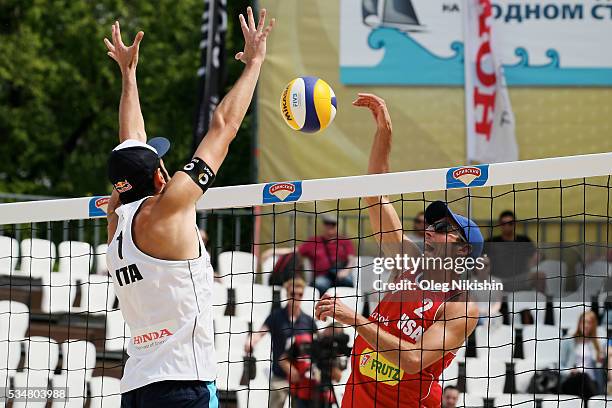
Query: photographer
column 318, row 362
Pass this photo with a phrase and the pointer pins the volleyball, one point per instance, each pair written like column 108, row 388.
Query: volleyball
column 308, row 104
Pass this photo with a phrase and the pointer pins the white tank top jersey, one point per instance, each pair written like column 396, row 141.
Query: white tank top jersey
column 168, row 307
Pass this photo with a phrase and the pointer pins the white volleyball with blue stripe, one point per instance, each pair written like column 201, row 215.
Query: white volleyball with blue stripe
column 308, row 104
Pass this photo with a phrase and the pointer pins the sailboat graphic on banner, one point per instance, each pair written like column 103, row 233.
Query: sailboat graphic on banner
column 398, row 14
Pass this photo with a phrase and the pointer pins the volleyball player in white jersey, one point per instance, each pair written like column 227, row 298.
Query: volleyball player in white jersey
column 160, row 269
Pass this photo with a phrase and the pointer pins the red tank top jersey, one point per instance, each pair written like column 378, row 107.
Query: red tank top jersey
column 375, row 381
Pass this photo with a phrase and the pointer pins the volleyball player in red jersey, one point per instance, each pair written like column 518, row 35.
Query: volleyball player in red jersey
column 412, row 335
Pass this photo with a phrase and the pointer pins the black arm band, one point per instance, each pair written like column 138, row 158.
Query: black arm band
column 200, row 173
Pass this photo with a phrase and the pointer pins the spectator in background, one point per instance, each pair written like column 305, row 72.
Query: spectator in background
column 284, row 325
column 332, row 257
column 417, row 234
column 450, row 396
column 581, row 359
column 512, row 257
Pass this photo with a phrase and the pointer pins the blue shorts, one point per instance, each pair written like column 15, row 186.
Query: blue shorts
column 179, row 394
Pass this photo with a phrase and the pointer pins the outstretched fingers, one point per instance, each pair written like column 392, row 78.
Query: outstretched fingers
column 269, row 28
column 243, row 25
column 109, row 45
column 262, row 20
column 251, row 18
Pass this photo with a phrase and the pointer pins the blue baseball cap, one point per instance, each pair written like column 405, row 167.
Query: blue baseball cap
column 160, row 144
column 468, row 228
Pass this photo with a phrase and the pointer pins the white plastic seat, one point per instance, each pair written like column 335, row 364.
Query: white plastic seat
column 541, row 344
column 600, row 401
column 469, row 401
column 105, row 392
column 592, row 280
column 237, row 268
column 561, row 401
column 494, row 342
column 254, row 303
column 78, row 363
column 9, row 253
column 14, row 320
column 37, row 257
column 252, row 398
column 117, row 332
column 75, row 259
column 97, row 295
column 41, row 357
column 348, row 296
column 450, row 375
column 219, row 294
column 100, row 257
column 556, row 274
column 514, row 400
column 485, row 376
column 230, row 336
column 58, row 292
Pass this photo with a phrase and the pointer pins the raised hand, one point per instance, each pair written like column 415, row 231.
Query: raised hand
column 254, row 37
column 126, row 57
column 378, row 107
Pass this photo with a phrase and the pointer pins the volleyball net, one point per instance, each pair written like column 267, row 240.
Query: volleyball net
column 63, row 338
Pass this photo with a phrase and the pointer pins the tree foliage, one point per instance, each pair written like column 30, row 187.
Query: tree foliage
column 59, row 91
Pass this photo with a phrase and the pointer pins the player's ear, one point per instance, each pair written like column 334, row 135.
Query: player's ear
column 159, row 181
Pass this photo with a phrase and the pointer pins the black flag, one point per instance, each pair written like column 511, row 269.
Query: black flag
column 212, row 67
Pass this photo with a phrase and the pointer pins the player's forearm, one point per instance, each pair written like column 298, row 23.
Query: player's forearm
column 381, row 150
column 399, row 352
column 131, row 122
column 231, row 111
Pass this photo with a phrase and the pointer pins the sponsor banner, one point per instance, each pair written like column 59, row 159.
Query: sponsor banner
column 489, row 117
column 283, row 192
column 420, row 42
column 467, row 176
column 98, row 206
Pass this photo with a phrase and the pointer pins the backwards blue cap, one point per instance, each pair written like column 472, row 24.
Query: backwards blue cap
column 469, row 229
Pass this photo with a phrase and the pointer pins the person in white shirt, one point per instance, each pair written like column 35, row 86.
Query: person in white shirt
column 156, row 257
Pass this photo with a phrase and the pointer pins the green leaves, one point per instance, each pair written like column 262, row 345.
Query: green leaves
column 59, row 91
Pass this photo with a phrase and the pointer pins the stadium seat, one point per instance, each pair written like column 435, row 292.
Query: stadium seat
column 469, row 401
column 349, row 296
column 592, row 280
column 75, row 259
column 485, row 376
column 14, row 320
column 254, row 303
column 78, row 363
column 230, row 335
column 514, row 400
column 9, row 255
column 97, row 295
column 219, row 294
column 541, row 344
column 556, row 274
column 117, row 332
column 494, row 342
column 41, row 357
column 37, row 257
column 569, row 314
column 364, row 276
column 105, row 392
column 600, row 401
column 252, row 398
column 58, row 292
column 237, row 268
column 100, row 257
column 450, row 375
column 521, row 301
column 561, row 401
